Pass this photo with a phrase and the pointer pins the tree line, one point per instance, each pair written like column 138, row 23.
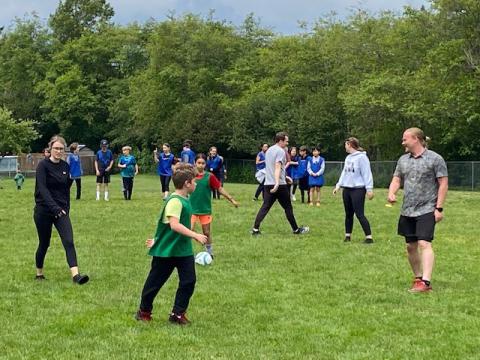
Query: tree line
column 370, row 76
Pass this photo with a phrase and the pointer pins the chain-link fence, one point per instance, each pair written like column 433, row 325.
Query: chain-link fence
column 462, row 175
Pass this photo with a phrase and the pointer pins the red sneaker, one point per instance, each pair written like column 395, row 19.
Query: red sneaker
column 419, row 286
column 143, row 315
column 179, row 319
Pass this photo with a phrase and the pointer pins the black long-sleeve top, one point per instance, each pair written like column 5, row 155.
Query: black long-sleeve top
column 52, row 186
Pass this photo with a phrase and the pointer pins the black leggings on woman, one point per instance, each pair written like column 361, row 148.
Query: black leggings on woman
column 259, row 190
column 43, row 222
column 354, row 203
column 165, row 181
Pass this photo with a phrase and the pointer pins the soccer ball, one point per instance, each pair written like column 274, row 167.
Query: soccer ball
column 203, row 258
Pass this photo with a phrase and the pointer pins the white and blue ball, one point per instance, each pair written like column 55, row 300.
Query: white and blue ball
column 203, row 258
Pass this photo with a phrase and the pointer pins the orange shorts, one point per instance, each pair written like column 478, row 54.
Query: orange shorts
column 202, row 219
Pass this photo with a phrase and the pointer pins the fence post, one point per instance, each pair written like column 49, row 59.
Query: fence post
column 473, row 176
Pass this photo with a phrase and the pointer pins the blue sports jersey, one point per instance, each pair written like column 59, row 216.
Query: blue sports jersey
column 130, row 161
column 104, row 159
column 164, row 166
column 75, row 166
column 188, row 156
column 302, row 167
column 261, row 156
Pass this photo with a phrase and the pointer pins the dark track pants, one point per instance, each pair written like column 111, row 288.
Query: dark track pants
column 283, row 197
column 161, row 270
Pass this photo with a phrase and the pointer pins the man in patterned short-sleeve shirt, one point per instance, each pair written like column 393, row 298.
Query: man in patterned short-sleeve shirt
column 424, row 176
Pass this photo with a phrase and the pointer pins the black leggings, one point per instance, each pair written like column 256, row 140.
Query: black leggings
column 259, row 190
column 354, row 203
column 78, row 182
column 215, row 192
column 283, row 197
column 165, row 181
column 303, row 185
column 127, row 187
column 161, row 270
column 43, row 222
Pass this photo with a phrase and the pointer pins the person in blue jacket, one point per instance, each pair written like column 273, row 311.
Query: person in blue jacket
column 76, row 171
column 187, row 155
column 260, row 171
column 302, row 173
column 165, row 161
column 292, row 167
column 315, row 168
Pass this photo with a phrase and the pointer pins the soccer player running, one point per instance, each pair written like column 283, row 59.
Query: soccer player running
column 425, row 182
column 276, row 185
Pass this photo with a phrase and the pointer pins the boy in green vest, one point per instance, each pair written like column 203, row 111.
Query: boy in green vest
column 172, row 248
column 19, row 180
column 201, row 198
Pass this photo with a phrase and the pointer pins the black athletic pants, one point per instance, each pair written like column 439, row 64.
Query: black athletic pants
column 43, row 222
column 283, row 197
column 259, row 190
column 127, row 187
column 165, row 181
column 161, row 270
column 216, row 193
column 78, row 183
column 303, row 185
column 354, row 203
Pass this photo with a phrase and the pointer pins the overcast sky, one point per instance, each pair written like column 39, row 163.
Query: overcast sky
column 280, row 15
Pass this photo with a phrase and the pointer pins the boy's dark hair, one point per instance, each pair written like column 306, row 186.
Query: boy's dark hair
column 201, row 156
column 317, row 147
column 188, row 143
column 280, row 136
column 303, row 148
column 182, row 172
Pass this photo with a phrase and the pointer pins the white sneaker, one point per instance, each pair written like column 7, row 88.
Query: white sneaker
column 294, row 198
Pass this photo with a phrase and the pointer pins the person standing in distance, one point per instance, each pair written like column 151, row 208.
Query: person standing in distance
column 356, row 181
column 103, row 165
column 425, row 183
column 52, row 207
column 276, row 185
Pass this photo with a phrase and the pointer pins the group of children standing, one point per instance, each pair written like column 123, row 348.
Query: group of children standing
column 304, row 171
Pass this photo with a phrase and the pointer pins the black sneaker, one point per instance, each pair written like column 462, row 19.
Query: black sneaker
column 80, row 279
column 40, row 277
column 255, row 232
column 302, row 230
column 368, row 241
column 347, row 239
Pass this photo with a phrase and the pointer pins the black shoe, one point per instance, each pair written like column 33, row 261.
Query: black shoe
column 40, row 277
column 255, row 232
column 80, row 279
column 347, row 239
column 255, row 199
column 180, row 319
column 368, row 241
column 143, row 315
column 302, row 230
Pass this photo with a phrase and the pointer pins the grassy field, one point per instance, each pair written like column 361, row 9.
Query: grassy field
column 271, row 297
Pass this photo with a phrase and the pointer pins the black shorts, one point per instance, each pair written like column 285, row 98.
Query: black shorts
column 104, row 177
column 417, row 228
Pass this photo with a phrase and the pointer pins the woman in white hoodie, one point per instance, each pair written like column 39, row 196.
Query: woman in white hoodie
column 356, row 181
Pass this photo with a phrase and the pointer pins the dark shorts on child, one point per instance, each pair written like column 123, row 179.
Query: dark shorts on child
column 104, row 177
column 417, row 228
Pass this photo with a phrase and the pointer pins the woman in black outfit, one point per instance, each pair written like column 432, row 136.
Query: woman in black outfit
column 52, row 205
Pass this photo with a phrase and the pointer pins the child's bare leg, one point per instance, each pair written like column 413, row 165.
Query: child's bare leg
column 206, row 231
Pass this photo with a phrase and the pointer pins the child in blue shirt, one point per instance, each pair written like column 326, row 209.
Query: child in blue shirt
column 260, row 171
column 302, row 173
column 315, row 168
column 292, row 167
column 129, row 168
column 76, row 170
column 187, row 155
column 165, row 161
column 103, row 166
column 215, row 166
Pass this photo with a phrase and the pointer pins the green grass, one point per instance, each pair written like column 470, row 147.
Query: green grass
column 272, row 297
